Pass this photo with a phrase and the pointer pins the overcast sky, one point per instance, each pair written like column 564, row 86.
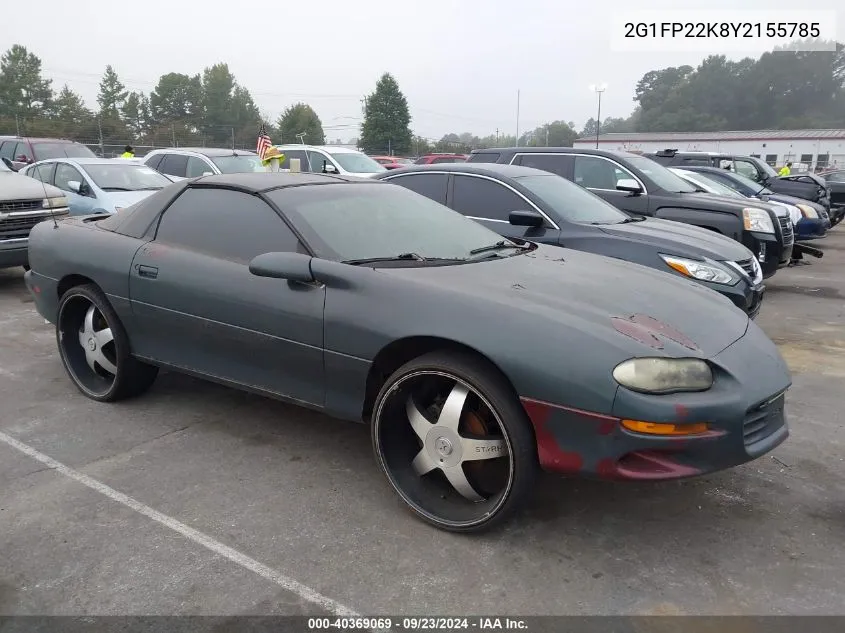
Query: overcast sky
column 459, row 62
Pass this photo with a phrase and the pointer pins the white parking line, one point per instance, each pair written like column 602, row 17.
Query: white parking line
column 287, row 583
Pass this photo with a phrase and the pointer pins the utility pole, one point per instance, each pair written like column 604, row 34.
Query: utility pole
column 547, row 135
column 497, row 136
column 17, row 126
column 173, row 134
column 517, row 118
column 233, row 138
column 598, row 89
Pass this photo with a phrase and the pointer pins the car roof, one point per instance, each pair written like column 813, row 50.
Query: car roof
column 206, row 151
column 39, row 139
column 481, row 169
column 331, row 149
column 553, row 150
column 87, row 160
column 257, row 182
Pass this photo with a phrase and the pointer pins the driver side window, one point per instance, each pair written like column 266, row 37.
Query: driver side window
column 744, row 168
column 196, row 167
column 65, row 174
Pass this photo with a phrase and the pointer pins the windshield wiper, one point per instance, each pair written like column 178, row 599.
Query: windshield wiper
column 395, row 258
column 494, row 247
column 632, row 219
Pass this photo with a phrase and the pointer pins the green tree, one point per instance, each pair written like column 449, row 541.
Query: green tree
column 246, row 118
column 300, row 118
column 71, row 118
column 554, row 134
column 178, row 98
column 112, row 94
column 386, row 119
column 218, row 83
column 23, row 92
column 136, row 114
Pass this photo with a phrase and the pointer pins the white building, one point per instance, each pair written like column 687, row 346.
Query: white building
column 805, row 149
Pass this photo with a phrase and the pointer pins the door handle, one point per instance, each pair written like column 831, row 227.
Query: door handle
column 150, row 272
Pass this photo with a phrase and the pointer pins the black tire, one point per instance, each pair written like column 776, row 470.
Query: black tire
column 131, row 377
column 441, row 507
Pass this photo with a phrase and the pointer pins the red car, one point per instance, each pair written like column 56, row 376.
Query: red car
column 433, row 159
column 392, row 162
column 22, row 151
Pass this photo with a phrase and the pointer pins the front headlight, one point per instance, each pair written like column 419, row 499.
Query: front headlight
column 757, row 220
column 664, row 375
column 703, row 271
column 807, row 211
column 54, row 203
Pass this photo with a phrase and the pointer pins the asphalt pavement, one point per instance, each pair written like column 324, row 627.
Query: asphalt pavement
column 198, row 499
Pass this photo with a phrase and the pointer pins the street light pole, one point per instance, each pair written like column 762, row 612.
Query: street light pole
column 598, row 89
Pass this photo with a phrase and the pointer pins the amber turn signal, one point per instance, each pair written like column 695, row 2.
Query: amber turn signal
column 659, row 428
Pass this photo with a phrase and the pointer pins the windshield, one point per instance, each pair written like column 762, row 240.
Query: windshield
column 659, row 175
column 125, row 177
column 571, row 202
column 360, row 221
column 707, row 184
column 747, row 185
column 241, row 164
column 44, row 151
column 357, row 163
column 767, row 169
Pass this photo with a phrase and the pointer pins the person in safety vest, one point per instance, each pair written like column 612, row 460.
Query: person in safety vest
column 128, row 152
column 785, row 170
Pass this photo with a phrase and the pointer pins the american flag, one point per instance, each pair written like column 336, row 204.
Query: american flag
column 264, row 142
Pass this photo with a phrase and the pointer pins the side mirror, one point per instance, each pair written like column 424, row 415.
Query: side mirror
column 75, row 186
column 290, row 266
column 208, row 173
column 630, row 185
column 9, row 164
column 525, row 218
column 329, row 169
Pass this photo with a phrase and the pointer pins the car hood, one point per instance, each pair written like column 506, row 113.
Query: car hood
column 591, row 296
column 111, row 199
column 780, row 197
column 676, row 238
column 15, row 186
column 731, row 203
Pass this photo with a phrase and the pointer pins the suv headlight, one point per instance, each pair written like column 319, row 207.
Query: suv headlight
column 701, row 270
column 757, row 220
column 808, row 211
column 664, row 375
column 54, row 203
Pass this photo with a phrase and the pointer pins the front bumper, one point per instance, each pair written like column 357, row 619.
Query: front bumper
column 769, row 250
column 744, row 411
column 14, row 252
column 810, row 229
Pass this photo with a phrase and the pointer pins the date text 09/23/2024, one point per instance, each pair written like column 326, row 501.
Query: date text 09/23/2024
column 416, row 624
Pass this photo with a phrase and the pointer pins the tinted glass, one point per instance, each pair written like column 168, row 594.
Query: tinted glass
column 570, row 201
column 599, row 173
column 447, row 159
column 482, row 198
column 363, row 220
column 23, row 152
column 240, row 164
column 658, row 174
column 836, row 176
column 62, row 150
column 295, row 153
column 696, row 160
column 747, row 169
column 487, row 157
column 357, row 163
column 44, row 173
column 7, row 149
column 432, row 186
column 123, row 177
column 316, row 162
column 174, row 164
column 64, row 174
column 197, row 167
column 743, row 184
column 709, row 185
column 556, row 164
column 226, row 224
column 153, row 161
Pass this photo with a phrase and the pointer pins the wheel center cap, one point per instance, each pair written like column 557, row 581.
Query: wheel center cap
column 92, row 344
column 444, row 446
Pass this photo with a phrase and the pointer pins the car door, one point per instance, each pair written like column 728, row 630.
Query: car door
column 601, row 175
column 81, row 199
column 490, row 202
column 196, row 305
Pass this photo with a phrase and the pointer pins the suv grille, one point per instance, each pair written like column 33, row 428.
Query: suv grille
column 786, row 230
column 16, row 228
column 763, row 420
column 11, row 206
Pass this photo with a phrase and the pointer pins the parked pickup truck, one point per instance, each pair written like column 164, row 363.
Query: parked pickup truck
column 642, row 187
column 808, row 186
column 24, row 202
